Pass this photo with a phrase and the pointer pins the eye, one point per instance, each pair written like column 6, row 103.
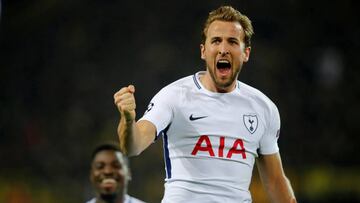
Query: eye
column 99, row 165
column 234, row 42
column 117, row 165
column 215, row 41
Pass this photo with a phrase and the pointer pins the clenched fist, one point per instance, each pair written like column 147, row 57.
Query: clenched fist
column 125, row 101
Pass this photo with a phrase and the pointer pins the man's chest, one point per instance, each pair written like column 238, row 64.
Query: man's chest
column 216, row 128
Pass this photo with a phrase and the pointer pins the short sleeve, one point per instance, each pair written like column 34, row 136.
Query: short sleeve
column 160, row 109
column 268, row 142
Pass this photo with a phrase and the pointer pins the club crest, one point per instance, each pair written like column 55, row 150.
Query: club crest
column 250, row 122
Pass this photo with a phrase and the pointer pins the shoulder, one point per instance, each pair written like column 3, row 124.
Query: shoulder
column 93, row 200
column 258, row 98
column 187, row 81
column 177, row 87
column 130, row 199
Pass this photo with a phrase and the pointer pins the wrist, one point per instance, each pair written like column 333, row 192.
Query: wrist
column 127, row 118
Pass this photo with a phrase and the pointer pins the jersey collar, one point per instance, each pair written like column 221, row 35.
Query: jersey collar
column 196, row 78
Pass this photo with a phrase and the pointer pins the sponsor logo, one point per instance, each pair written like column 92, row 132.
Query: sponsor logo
column 224, row 147
column 193, row 118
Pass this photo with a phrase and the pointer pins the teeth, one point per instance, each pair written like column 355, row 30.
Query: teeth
column 223, row 63
column 108, row 180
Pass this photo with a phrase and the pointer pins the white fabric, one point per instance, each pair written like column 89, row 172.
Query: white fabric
column 128, row 199
column 242, row 119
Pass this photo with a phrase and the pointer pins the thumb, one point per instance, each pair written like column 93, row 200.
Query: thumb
column 131, row 89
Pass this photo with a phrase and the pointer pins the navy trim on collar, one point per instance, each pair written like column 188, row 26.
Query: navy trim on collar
column 196, row 82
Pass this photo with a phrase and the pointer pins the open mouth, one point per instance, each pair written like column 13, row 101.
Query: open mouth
column 108, row 183
column 223, row 65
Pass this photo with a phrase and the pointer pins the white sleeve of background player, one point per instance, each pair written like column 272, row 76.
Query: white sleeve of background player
column 160, row 109
column 268, row 142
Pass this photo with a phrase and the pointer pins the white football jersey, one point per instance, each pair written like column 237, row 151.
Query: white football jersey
column 128, row 199
column 211, row 139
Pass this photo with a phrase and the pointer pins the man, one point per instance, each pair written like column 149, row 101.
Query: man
column 109, row 175
column 213, row 126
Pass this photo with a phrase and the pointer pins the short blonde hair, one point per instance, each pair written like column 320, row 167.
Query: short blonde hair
column 229, row 14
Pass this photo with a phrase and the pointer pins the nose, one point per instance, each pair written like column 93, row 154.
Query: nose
column 223, row 50
column 108, row 170
column 223, row 53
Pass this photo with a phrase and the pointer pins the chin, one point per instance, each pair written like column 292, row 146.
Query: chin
column 224, row 84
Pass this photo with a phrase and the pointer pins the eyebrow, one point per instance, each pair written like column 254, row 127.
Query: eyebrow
column 214, row 38
column 233, row 38
column 230, row 38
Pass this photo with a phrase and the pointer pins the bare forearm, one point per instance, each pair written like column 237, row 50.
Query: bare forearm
column 280, row 191
column 276, row 184
column 135, row 137
column 125, row 133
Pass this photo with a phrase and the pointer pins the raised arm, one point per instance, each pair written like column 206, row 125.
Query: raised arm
column 134, row 136
column 272, row 175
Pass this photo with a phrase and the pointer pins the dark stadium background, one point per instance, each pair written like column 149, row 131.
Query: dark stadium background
column 61, row 62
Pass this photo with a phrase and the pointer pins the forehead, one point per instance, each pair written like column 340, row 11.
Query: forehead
column 225, row 29
column 108, row 156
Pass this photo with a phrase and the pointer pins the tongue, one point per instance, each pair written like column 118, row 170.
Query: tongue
column 224, row 71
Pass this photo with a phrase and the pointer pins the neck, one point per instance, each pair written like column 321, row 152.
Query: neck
column 110, row 198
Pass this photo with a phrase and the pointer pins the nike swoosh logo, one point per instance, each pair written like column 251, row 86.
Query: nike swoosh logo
column 192, row 118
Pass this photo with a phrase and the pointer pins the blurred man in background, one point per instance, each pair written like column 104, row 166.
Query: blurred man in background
column 110, row 174
column 214, row 127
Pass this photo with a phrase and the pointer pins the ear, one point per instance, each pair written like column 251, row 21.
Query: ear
column 247, row 51
column 129, row 175
column 202, row 51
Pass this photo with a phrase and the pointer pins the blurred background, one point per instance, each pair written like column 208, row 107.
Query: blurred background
column 62, row 61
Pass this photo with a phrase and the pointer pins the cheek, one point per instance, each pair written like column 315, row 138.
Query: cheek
column 94, row 175
column 209, row 51
column 241, row 56
column 122, row 173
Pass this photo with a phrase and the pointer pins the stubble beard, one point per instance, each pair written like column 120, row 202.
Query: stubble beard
column 219, row 83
